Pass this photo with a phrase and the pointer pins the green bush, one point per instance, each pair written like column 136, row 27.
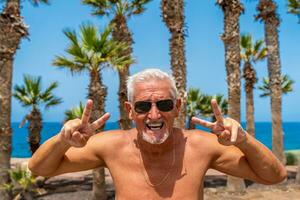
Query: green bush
column 22, row 184
column 291, row 159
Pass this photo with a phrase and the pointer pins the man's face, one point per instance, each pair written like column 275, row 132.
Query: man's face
column 153, row 120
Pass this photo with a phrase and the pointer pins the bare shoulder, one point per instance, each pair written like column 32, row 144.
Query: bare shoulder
column 202, row 141
column 109, row 142
column 108, row 138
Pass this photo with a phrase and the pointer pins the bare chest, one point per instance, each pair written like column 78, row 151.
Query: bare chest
column 138, row 178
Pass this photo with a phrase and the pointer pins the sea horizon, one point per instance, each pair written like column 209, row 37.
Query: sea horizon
column 243, row 122
column 263, row 133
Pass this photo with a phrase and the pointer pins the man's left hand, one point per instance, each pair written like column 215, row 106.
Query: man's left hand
column 228, row 130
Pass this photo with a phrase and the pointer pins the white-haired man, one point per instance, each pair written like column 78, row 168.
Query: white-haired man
column 156, row 160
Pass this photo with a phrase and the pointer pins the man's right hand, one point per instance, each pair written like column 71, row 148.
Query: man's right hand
column 76, row 132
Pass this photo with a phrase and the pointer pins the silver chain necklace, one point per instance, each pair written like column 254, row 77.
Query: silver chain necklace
column 169, row 171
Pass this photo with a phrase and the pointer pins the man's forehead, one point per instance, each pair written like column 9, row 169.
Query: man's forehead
column 157, row 88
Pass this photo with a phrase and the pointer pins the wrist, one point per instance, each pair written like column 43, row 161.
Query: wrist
column 62, row 142
column 243, row 137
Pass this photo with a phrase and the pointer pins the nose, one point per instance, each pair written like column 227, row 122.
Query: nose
column 154, row 112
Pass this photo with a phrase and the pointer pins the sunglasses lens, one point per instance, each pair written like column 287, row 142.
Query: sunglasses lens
column 145, row 106
column 142, row 106
column 165, row 105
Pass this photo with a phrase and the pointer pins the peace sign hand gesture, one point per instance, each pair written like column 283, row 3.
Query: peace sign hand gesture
column 76, row 132
column 228, row 130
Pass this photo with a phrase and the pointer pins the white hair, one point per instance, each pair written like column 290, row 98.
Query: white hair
column 147, row 75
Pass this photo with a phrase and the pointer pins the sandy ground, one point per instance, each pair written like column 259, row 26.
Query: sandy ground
column 78, row 186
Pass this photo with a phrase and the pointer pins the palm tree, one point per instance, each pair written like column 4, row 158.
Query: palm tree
column 93, row 52
column 31, row 95
column 205, row 109
column 75, row 112
column 222, row 103
column 294, row 8
column 232, row 10
column 120, row 11
column 286, row 86
column 194, row 101
column 251, row 53
column 200, row 104
column 12, row 30
column 267, row 13
column 298, row 175
column 173, row 16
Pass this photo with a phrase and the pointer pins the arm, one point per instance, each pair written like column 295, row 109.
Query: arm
column 250, row 160
column 55, row 157
column 262, row 161
column 239, row 154
column 70, row 150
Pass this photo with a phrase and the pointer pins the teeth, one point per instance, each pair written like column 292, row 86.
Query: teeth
column 155, row 125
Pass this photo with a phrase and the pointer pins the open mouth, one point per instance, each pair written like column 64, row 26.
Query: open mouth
column 155, row 126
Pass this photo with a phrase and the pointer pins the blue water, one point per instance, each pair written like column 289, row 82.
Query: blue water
column 263, row 134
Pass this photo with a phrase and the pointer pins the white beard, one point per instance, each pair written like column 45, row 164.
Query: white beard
column 154, row 140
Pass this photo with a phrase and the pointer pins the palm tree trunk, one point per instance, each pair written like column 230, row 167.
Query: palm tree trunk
column 250, row 79
column 121, row 33
column 173, row 16
column 267, row 12
column 97, row 92
column 34, row 129
column 124, row 121
column 298, row 174
column 12, row 30
column 232, row 10
column 250, row 113
column 5, row 121
column 190, row 123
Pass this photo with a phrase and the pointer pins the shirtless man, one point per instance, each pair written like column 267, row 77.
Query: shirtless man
column 155, row 160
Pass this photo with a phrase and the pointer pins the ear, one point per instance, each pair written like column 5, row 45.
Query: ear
column 129, row 109
column 178, row 106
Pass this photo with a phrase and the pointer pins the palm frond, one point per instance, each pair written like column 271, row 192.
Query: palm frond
column 31, row 94
column 21, row 95
column 94, row 51
column 246, row 46
column 72, row 65
column 193, row 97
column 252, row 52
column 286, row 86
column 138, row 6
column 100, row 7
column 88, row 36
column 38, row 2
column 48, row 91
column 75, row 112
column 294, row 8
column 53, row 102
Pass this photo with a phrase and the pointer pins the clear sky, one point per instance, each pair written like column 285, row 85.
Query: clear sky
column 204, row 53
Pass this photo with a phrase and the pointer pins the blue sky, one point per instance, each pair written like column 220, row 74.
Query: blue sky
column 204, row 53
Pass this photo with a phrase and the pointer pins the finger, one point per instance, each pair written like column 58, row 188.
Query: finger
column 78, row 139
column 202, row 122
column 234, row 133
column 87, row 112
column 217, row 111
column 225, row 135
column 63, row 132
column 67, row 133
column 100, row 122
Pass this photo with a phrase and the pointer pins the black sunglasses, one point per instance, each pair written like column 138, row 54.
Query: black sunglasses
column 165, row 105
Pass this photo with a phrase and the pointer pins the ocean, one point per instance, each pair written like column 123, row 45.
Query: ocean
column 20, row 148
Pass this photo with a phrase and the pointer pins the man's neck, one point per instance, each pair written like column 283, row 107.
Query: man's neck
column 156, row 149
